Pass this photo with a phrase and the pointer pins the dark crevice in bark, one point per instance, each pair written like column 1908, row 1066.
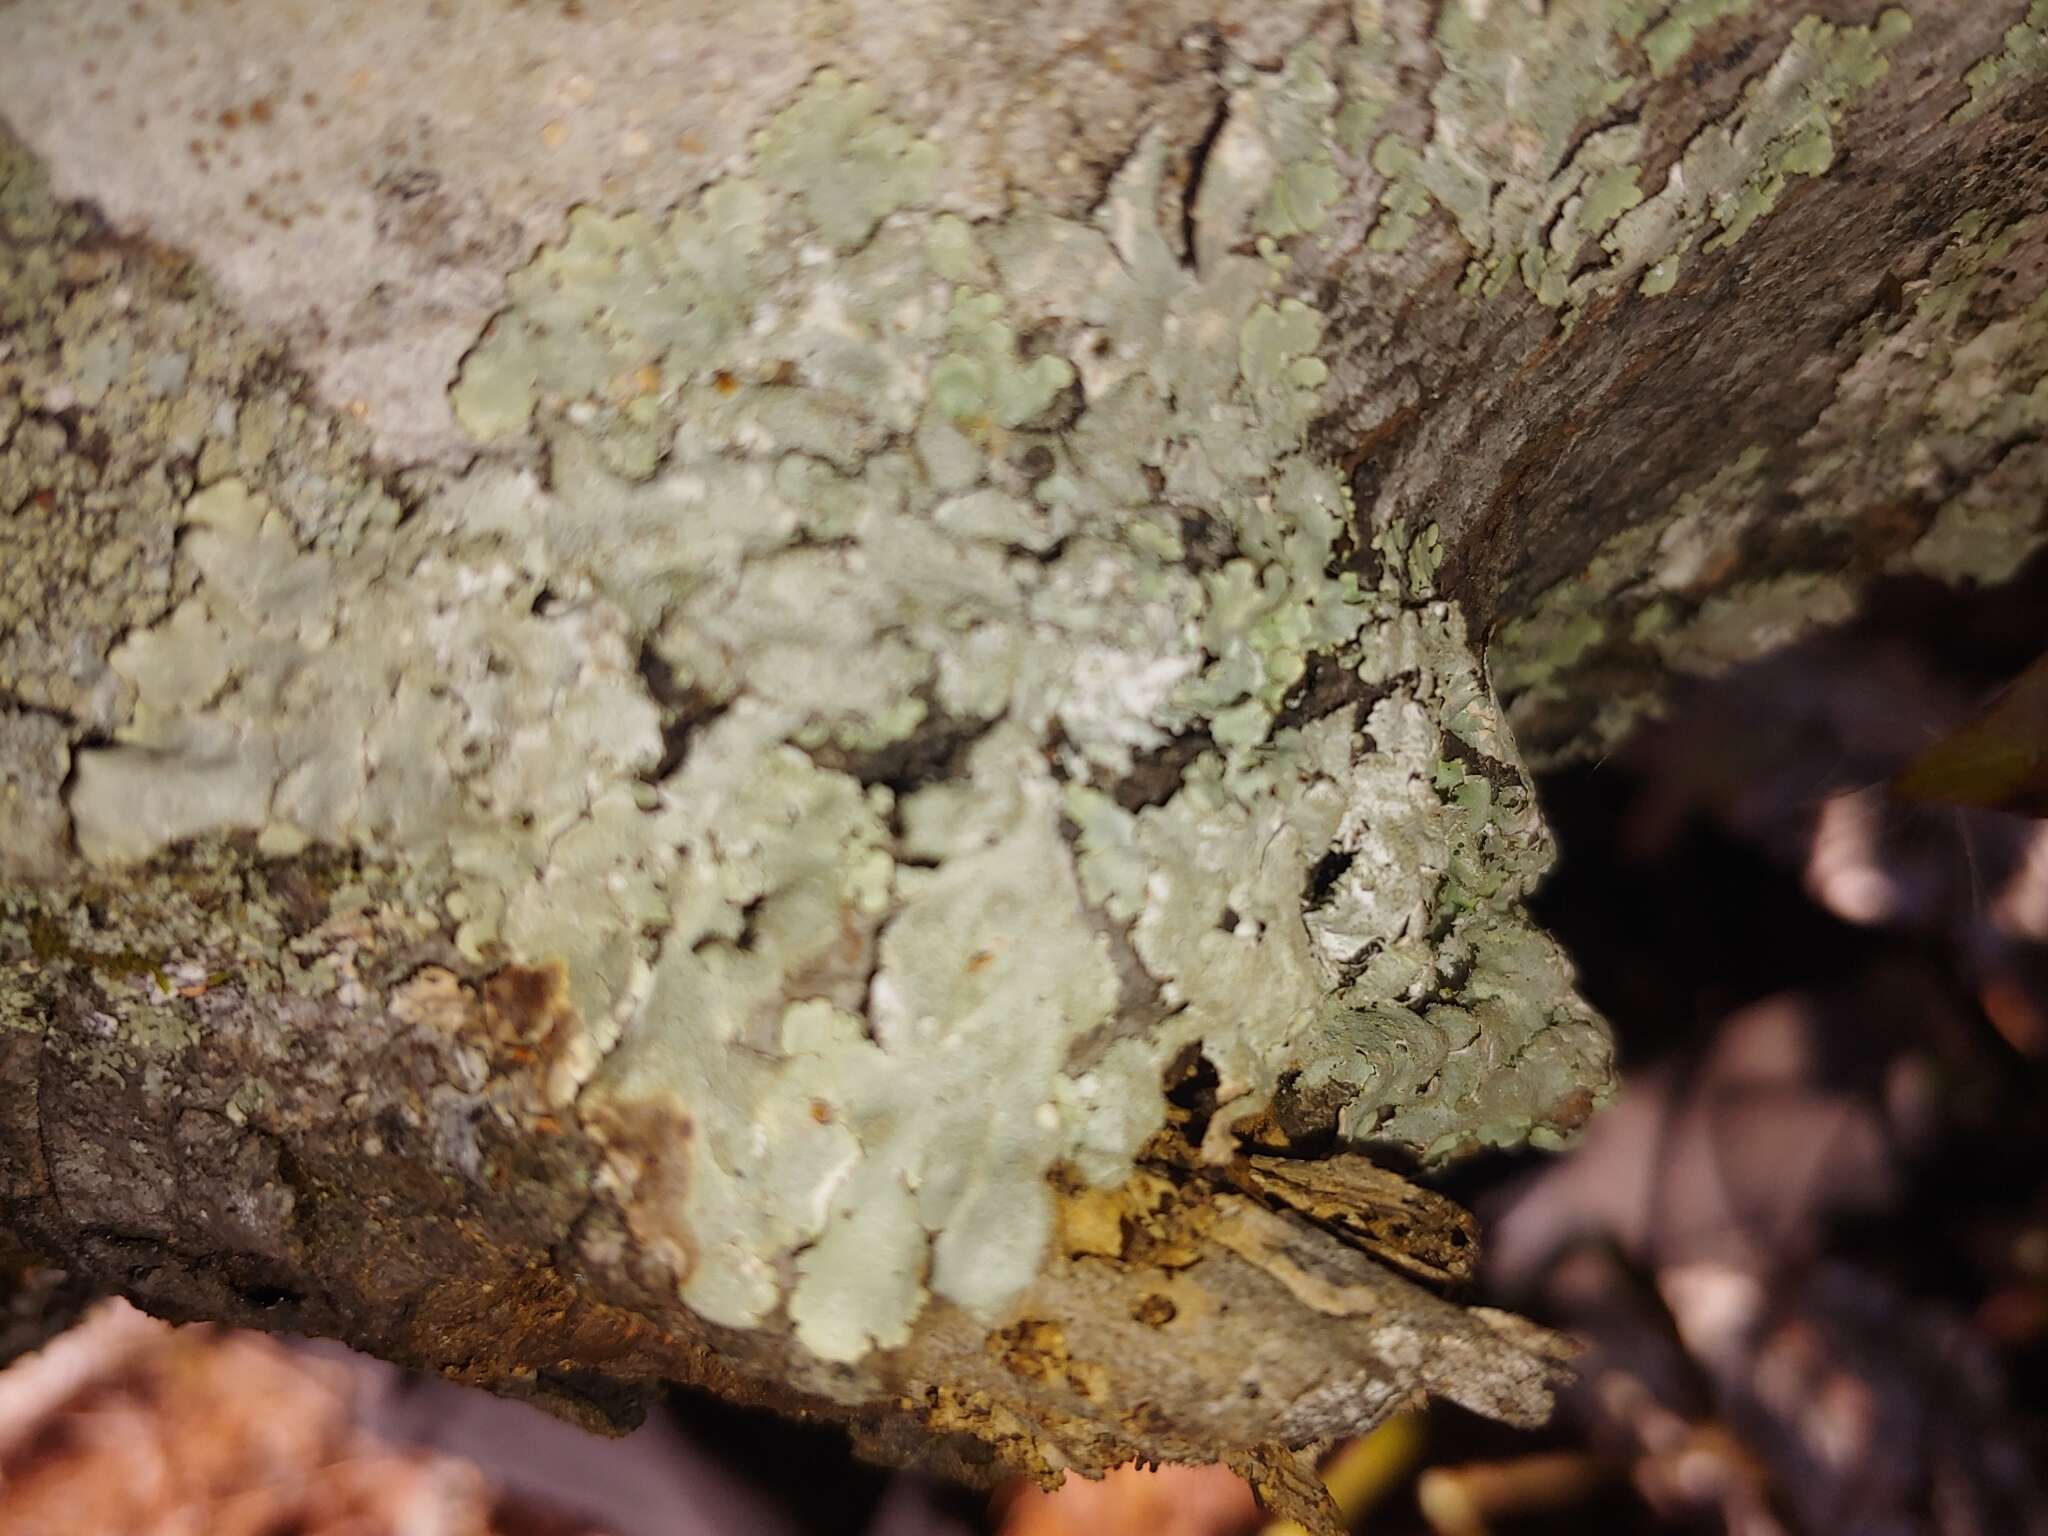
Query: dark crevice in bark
column 1141, row 1001
column 1198, row 164
column 263, row 1295
column 1324, row 874
column 1887, row 298
column 685, row 707
column 1207, row 542
column 410, row 488
column 1503, row 778
column 1710, row 89
column 13, row 703
column 1192, row 1084
column 1620, row 118
column 1155, row 776
column 1327, row 685
column 304, row 883
column 935, row 751
column 1302, row 1121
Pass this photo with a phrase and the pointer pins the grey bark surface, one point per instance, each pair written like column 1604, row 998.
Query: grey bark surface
column 271, row 1082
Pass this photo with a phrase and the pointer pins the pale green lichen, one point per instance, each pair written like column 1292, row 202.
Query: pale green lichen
column 2024, row 56
column 1652, row 585
column 612, row 310
column 35, row 757
column 1294, row 123
column 1758, row 617
column 1948, row 407
column 1365, row 75
column 1986, row 533
column 1662, row 563
column 1511, row 159
column 1936, row 423
column 1671, row 38
column 1540, row 647
column 983, row 381
column 790, row 711
column 123, row 385
column 1517, row 85
column 1798, row 108
column 1735, row 171
column 876, row 165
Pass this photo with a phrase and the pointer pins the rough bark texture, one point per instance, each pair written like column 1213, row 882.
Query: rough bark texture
column 1262, row 355
column 389, row 1170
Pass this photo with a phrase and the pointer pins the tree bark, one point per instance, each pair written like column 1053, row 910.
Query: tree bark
column 739, row 699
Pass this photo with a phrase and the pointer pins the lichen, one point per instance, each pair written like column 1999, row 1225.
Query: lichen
column 2024, row 56
column 1984, row 534
column 1934, row 428
column 1517, row 84
column 1735, row 171
column 123, row 388
column 1761, row 616
column 1963, row 433
column 1294, row 121
column 1661, row 566
column 796, row 706
column 1671, row 37
column 35, row 758
column 1518, row 159
column 1365, row 77
column 876, row 166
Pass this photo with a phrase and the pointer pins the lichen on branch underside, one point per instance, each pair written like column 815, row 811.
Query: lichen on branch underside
column 916, row 679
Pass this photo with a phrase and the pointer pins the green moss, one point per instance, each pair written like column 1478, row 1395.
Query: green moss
column 51, row 943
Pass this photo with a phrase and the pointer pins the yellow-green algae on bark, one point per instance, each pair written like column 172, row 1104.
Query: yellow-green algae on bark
column 882, row 693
